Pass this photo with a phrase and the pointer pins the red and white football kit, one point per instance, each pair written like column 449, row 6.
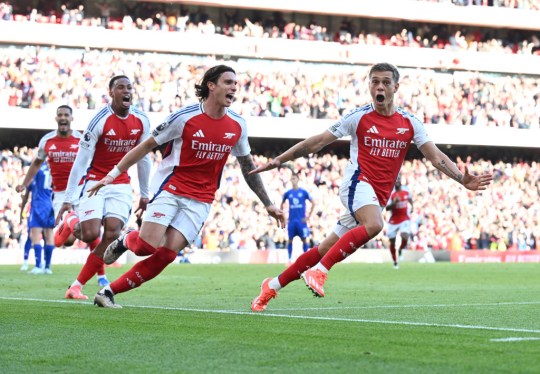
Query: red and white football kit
column 60, row 154
column 399, row 219
column 104, row 143
column 186, row 180
column 377, row 150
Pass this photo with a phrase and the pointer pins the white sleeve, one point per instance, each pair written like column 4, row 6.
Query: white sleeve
column 143, row 172
column 77, row 171
column 242, row 148
column 169, row 129
column 346, row 125
column 41, row 154
column 420, row 134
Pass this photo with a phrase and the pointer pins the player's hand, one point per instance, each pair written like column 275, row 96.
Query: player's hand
column 278, row 214
column 476, row 182
column 20, row 188
column 143, row 202
column 268, row 166
column 99, row 185
column 66, row 207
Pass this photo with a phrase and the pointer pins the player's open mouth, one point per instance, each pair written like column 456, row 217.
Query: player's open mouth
column 126, row 99
column 230, row 97
column 379, row 98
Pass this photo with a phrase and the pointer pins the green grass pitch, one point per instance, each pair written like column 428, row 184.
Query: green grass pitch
column 422, row 318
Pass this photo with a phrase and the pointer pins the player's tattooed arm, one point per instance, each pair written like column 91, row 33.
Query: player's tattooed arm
column 254, row 181
column 451, row 170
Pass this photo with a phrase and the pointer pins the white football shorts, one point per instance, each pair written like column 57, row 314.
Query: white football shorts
column 58, row 200
column 114, row 200
column 354, row 195
column 403, row 227
column 184, row 214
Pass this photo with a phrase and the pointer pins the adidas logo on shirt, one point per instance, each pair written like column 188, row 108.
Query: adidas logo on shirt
column 198, row 134
column 111, row 133
column 373, row 130
column 52, row 147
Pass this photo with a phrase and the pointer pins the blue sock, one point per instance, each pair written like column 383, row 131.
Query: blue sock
column 48, row 255
column 27, row 247
column 289, row 250
column 37, row 251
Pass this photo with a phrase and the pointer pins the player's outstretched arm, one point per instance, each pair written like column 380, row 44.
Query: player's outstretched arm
column 444, row 164
column 254, row 182
column 302, row 149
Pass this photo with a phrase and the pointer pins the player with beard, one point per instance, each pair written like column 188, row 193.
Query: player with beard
column 59, row 148
column 111, row 134
column 381, row 134
column 199, row 138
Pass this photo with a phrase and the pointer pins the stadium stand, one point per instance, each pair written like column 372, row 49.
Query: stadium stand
column 298, row 67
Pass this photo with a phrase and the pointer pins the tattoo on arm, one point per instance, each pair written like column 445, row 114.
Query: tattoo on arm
column 446, row 169
column 254, row 181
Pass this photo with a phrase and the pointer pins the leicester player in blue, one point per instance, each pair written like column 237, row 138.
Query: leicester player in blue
column 41, row 219
column 297, row 223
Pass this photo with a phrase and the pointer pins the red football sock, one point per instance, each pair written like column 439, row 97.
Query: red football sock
column 137, row 245
column 93, row 263
column 305, row 261
column 393, row 251
column 131, row 240
column 403, row 244
column 345, row 246
column 93, row 245
column 144, row 270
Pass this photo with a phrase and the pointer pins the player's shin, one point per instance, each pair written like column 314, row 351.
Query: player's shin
column 91, row 266
column 304, row 262
column 144, row 270
column 345, row 246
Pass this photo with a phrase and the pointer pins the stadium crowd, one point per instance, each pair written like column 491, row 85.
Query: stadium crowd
column 37, row 77
column 506, row 216
column 185, row 19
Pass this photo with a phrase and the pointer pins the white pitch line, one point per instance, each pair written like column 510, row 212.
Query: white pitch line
column 320, row 318
column 513, row 339
column 411, row 306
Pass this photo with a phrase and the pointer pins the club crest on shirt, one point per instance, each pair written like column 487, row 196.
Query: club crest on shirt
column 401, row 130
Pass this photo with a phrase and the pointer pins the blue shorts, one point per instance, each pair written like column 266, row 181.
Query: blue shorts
column 42, row 219
column 297, row 228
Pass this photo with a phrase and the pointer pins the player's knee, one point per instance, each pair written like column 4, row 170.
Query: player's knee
column 374, row 228
column 89, row 235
